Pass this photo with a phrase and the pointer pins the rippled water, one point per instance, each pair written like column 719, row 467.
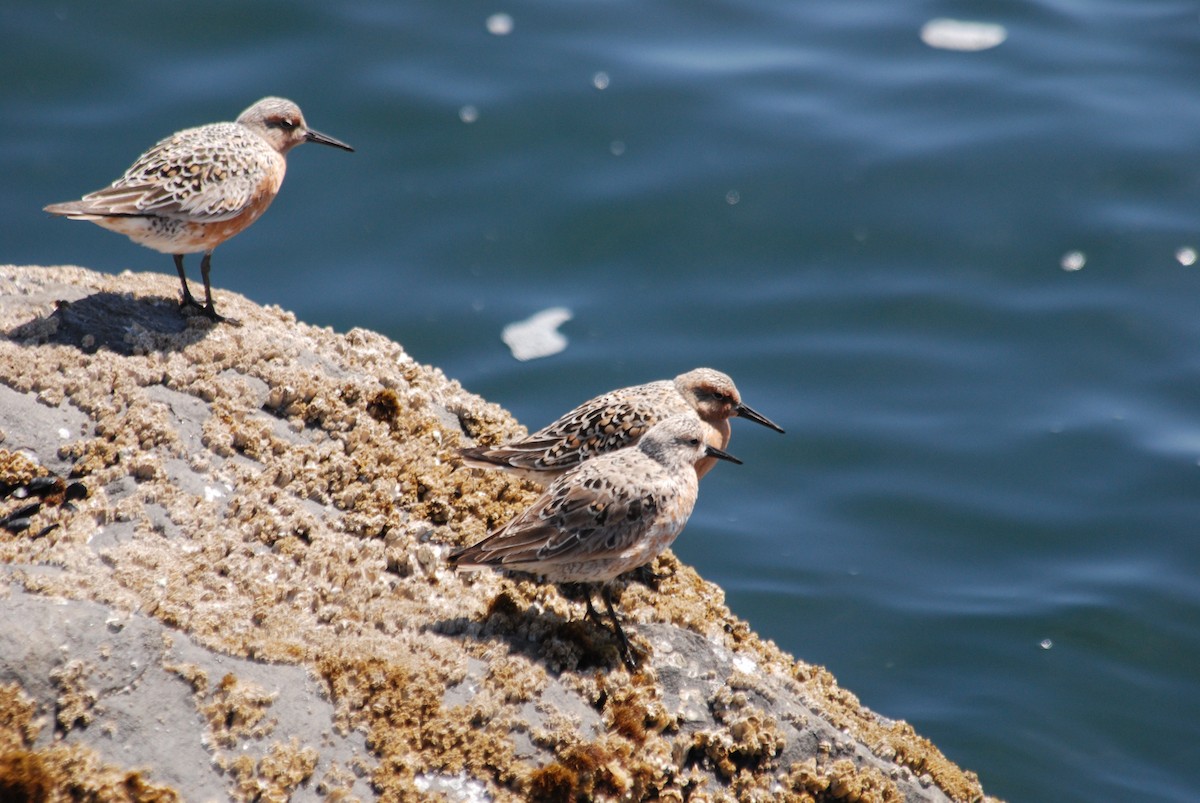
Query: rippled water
column 983, row 517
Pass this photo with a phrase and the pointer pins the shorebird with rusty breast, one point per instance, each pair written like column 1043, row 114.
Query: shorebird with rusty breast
column 197, row 188
column 617, row 419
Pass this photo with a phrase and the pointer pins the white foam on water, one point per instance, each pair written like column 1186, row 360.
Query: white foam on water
column 500, row 24
column 538, row 335
column 962, row 35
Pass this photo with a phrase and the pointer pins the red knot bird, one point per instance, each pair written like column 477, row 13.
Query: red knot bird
column 608, row 515
column 616, row 420
column 197, row 188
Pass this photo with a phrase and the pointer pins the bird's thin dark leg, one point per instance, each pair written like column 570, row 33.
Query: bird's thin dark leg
column 626, row 652
column 591, row 612
column 188, row 299
column 209, row 308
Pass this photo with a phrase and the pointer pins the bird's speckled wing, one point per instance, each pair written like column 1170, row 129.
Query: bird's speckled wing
column 208, row 174
column 603, row 424
column 585, row 515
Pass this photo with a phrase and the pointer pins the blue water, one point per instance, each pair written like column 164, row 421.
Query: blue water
column 984, row 516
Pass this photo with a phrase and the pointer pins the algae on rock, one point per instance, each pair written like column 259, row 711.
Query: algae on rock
column 260, row 554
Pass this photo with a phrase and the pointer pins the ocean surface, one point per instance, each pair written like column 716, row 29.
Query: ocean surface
column 956, row 263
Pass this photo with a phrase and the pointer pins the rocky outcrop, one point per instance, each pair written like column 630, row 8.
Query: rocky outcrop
column 222, row 577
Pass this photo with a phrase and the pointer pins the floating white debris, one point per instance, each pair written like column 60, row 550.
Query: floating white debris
column 468, row 114
column 500, row 24
column 600, row 80
column 616, row 147
column 1073, row 260
column 948, row 34
column 537, row 336
column 1045, row 644
column 1186, row 256
column 732, row 197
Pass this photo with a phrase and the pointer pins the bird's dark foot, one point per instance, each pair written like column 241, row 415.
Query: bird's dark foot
column 628, row 657
column 211, row 313
column 615, row 630
column 190, row 306
column 189, row 302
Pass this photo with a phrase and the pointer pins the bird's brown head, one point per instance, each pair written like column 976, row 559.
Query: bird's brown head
column 280, row 123
column 711, row 393
column 715, row 398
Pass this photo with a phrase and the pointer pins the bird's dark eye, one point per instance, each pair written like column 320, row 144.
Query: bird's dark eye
column 694, row 442
column 285, row 123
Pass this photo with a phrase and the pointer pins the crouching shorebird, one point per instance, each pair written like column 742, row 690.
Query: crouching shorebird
column 197, row 188
column 609, row 515
column 618, row 419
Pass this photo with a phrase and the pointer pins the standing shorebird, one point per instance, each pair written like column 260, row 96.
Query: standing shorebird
column 616, row 420
column 197, row 188
column 609, row 515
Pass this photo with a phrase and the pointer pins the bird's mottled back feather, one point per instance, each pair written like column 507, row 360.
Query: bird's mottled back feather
column 604, row 424
column 206, row 174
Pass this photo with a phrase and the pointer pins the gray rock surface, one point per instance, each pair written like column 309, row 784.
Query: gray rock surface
column 125, row 686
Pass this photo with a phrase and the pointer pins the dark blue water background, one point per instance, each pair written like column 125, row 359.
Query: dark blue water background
column 984, row 516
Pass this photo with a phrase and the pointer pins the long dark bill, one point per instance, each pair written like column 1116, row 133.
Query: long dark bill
column 720, row 454
column 745, row 411
column 325, row 139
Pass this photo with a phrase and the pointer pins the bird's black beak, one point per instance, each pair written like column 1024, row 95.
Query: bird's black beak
column 324, row 139
column 720, row 454
column 745, row 411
